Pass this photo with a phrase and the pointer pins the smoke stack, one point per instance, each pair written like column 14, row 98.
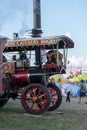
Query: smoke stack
column 36, row 32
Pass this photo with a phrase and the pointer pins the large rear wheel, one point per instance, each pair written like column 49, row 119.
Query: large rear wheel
column 35, row 99
column 56, row 96
column 4, row 98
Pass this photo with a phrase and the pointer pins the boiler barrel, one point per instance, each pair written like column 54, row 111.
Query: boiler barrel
column 25, row 76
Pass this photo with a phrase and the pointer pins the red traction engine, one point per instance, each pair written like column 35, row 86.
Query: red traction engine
column 26, row 74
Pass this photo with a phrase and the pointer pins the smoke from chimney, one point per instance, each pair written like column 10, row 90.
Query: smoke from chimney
column 17, row 15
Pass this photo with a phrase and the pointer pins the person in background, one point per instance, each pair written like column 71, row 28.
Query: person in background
column 52, row 80
column 82, row 86
column 86, row 97
column 86, row 85
column 68, row 91
column 59, row 84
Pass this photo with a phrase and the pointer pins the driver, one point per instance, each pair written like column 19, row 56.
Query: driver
column 23, row 56
column 51, row 57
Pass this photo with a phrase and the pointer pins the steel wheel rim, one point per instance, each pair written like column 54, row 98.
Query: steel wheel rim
column 35, row 99
column 56, row 97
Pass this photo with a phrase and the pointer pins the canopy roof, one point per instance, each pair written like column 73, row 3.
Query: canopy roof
column 31, row 43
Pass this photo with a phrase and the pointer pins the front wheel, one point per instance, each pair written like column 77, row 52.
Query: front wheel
column 35, row 99
column 56, row 96
column 4, row 98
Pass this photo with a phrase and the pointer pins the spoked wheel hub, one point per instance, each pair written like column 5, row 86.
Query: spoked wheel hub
column 35, row 99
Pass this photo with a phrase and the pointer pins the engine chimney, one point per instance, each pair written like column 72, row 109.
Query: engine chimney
column 36, row 32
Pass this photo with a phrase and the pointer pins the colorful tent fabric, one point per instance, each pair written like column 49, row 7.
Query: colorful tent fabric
column 83, row 76
column 79, row 77
column 75, row 79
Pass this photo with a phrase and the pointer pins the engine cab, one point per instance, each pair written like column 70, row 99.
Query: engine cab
column 30, row 60
column 37, row 52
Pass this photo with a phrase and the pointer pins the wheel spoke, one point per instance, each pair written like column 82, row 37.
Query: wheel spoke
column 41, row 95
column 53, row 94
column 40, row 105
column 28, row 98
column 32, row 105
column 54, row 98
column 36, row 99
column 39, row 92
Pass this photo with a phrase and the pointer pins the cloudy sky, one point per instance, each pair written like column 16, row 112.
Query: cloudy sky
column 58, row 17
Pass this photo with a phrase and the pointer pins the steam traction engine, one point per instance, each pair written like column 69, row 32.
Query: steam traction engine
column 29, row 64
column 26, row 74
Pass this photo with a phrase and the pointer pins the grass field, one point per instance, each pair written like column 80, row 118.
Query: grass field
column 71, row 116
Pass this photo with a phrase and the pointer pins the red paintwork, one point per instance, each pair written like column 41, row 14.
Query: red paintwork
column 57, row 68
column 22, row 75
column 16, row 80
column 50, row 66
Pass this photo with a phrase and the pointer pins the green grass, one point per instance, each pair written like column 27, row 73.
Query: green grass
column 14, row 117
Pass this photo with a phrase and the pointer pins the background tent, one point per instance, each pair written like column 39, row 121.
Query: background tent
column 83, row 76
column 75, row 79
column 79, row 77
